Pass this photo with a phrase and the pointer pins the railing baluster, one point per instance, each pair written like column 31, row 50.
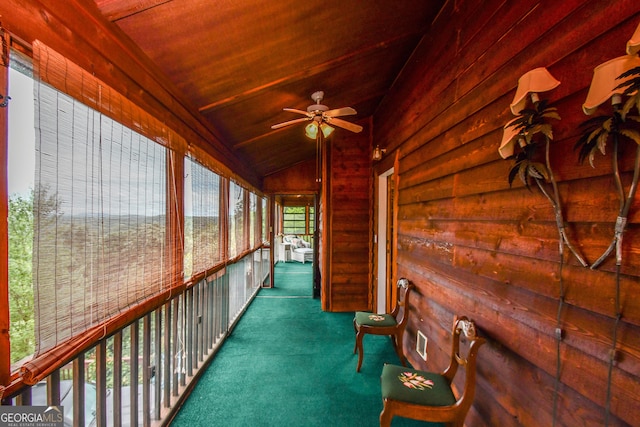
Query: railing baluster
column 190, row 322
column 168, row 359
column 226, row 303
column 53, row 389
column 79, row 400
column 146, row 370
column 183, row 340
column 117, row 379
column 134, row 331
column 210, row 314
column 196, row 325
column 216, row 304
column 157, row 351
column 101, row 383
column 201, row 300
column 205, row 317
column 176, row 365
column 23, row 398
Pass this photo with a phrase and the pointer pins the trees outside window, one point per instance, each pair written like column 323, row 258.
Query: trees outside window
column 298, row 220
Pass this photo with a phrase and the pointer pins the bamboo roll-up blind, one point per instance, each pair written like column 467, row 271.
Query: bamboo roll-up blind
column 237, row 208
column 100, row 220
column 57, row 71
column 253, row 218
column 202, row 218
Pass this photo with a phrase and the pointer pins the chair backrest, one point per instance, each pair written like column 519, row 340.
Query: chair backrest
column 463, row 327
column 400, row 310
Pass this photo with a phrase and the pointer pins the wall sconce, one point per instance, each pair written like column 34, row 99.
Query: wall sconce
column 605, row 83
column 378, row 152
column 311, row 130
column 532, row 82
column 510, row 136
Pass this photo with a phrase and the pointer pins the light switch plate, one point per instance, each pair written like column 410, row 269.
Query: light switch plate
column 421, row 345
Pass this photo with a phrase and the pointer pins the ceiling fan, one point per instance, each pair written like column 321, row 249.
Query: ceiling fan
column 321, row 117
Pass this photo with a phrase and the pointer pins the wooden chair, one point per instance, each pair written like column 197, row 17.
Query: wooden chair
column 392, row 324
column 427, row 396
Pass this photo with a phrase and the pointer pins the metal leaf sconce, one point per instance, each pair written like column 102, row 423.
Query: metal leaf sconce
column 523, row 137
column 612, row 80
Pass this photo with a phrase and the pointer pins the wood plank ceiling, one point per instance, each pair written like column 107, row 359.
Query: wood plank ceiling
column 240, row 62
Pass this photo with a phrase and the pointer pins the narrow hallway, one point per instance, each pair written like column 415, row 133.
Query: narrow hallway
column 288, row 363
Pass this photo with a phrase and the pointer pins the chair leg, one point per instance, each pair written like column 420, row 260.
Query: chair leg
column 397, row 344
column 359, row 336
column 385, row 417
column 355, row 342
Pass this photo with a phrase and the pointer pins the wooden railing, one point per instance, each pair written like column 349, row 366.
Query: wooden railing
column 139, row 375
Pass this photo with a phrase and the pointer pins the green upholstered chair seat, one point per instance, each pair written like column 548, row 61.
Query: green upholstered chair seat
column 365, row 318
column 414, row 386
column 392, row 324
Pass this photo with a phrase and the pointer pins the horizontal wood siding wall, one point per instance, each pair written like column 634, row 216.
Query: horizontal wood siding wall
column 349, row 187
column 474, row 246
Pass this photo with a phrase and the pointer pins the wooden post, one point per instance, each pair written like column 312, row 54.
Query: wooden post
column 5, row 348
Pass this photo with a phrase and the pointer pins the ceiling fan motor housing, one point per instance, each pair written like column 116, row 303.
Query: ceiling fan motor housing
column 317, row 108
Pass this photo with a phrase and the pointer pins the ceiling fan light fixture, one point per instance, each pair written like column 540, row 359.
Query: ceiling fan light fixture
column 326, row 129
column 321, row 117
column 311, row 130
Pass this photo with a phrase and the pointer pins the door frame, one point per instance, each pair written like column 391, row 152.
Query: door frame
column 382, row 242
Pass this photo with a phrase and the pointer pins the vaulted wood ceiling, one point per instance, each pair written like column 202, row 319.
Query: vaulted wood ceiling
column 240, row 62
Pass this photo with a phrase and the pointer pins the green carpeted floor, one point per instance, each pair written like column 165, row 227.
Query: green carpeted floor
column 288, row 363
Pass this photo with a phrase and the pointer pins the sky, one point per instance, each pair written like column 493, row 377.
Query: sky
column 21, row 134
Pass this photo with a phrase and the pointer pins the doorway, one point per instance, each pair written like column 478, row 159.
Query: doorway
column 385, row 230
column 296, row 242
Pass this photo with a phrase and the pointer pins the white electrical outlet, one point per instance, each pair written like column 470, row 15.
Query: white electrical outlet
column 421, row 345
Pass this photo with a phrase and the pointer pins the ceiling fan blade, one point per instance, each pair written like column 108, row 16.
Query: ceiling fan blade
column 344, row 111
column 290, row 122
column 293, row 110
column 344, row 124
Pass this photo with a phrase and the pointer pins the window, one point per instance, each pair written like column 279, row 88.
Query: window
column 101, row 238
column 202, row 218
column 99, row 216
column 298, row 220
column 253, row 219
column 264, row 233
column 21, row 172
column 237, row 207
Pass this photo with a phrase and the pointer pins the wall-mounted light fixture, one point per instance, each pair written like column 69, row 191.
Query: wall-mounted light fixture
column 532, row 82
column 605, row 83
column 378, row 152
column 510, row 136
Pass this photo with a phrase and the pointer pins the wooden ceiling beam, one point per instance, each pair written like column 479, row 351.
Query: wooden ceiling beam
column 114, row 10
column 305, row 73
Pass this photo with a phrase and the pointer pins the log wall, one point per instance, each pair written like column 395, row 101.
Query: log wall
column 346, row 207
column 475, row 246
